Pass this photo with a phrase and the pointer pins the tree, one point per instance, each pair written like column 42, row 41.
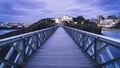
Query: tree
column 65, row 23
column 78, row 19
column 86, row 25
column 112, row 17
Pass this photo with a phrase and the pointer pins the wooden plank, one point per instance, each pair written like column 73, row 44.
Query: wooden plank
column 59, row 51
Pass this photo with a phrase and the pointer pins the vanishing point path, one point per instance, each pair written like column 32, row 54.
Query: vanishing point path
column 59, row 51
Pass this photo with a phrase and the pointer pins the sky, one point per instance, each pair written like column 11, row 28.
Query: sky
column 34, row 10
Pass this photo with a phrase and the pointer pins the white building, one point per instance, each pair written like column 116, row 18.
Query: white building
column 66, row 18
column 107, row 23
column 63, row 18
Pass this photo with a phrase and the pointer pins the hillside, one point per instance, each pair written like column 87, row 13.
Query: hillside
column 41, row 24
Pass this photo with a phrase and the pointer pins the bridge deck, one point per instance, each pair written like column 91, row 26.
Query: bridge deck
column 59, row 51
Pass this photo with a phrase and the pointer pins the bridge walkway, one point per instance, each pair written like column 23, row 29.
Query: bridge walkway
column 59, row 51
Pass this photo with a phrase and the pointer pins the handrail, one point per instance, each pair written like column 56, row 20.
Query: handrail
column 15, row 50
column 102, row 50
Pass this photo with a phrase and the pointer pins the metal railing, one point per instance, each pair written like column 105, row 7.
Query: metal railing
column 15, row 50
column 102, row 50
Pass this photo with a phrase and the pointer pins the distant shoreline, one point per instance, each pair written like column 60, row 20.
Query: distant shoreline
column 4, row 31
column 110, row 29
column 9, row 28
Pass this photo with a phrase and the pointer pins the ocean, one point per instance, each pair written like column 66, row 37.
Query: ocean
column 113, row 34
column 5, row 31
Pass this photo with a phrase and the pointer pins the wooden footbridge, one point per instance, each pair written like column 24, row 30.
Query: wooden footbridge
column 59, row 47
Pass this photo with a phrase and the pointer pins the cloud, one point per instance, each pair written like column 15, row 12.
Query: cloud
column 31, row 4
column 32, row 10
column 92, row 8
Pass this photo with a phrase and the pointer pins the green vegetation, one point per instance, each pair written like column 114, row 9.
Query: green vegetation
column 117, row 26
column 44, row 23
column 83, row 24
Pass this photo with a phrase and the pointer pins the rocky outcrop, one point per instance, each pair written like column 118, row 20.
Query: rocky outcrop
column 44, row 23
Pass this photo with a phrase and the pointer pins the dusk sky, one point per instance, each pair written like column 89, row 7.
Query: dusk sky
column 34, row 10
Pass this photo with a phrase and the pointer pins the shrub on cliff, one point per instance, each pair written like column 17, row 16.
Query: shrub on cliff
column 44, row 23
column 117, row 25
column 83, row 24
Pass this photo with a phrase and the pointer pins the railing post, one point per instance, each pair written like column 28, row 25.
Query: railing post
column 95, row 50
column 83, row 42
column 7, row 57
column 22, row 50
column 96, row 53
